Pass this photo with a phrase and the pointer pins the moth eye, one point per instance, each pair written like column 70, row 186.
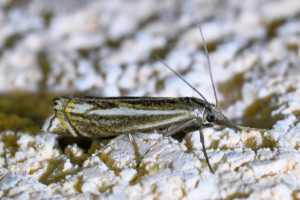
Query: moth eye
column 211, row 117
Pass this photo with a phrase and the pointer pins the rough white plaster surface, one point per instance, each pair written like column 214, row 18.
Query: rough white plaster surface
column 108, row 48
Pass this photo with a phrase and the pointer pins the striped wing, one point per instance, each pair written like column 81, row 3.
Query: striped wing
column 91, row 116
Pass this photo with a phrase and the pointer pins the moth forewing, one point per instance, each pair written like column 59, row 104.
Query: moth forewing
column 103, row 117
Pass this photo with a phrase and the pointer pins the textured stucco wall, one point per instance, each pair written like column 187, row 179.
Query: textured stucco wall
column 109, row 48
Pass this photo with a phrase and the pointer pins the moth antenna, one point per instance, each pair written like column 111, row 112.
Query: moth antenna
column 208, row 61
column 179, row 76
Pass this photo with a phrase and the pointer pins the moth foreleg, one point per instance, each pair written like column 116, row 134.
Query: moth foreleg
column 204, row 150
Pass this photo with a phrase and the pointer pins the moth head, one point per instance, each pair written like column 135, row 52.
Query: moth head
column 214, row 115
column 211, row 114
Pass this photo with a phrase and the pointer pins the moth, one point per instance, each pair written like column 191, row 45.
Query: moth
column 112, row 116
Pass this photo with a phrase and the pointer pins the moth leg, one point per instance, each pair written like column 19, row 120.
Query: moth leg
column 150, row 149
column 168, row 132
column 136, row 150
column 100, row 151
column 204, row 150
column 178, row 127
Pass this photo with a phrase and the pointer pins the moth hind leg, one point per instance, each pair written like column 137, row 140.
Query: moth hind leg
column 136, row 149
column 170, row 130
column 110, row 143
